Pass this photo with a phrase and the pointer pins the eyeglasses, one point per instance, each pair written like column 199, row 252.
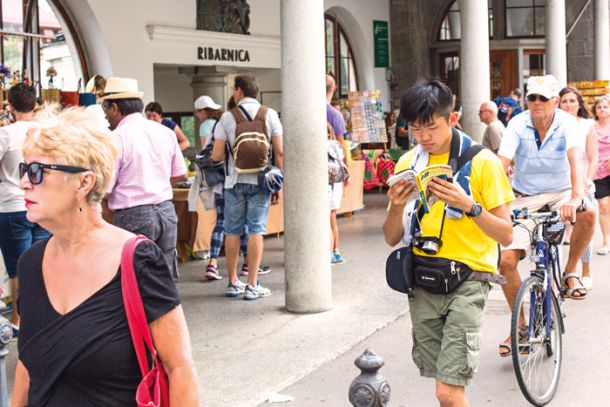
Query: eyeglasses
column 483, row 111
column 35, row 170
column 533, row 98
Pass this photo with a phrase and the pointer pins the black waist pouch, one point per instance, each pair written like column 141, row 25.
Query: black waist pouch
column 438, row 275
column 399, row 271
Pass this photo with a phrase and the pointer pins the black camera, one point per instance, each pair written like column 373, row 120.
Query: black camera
column 427, row 244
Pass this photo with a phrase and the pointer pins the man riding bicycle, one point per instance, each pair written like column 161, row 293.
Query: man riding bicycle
column 547, row 172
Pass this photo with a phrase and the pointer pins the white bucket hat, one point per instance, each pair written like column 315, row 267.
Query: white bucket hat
column 204, row 102
column 121, row 88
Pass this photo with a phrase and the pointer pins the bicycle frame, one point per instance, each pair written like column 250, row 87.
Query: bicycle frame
column 546, row 264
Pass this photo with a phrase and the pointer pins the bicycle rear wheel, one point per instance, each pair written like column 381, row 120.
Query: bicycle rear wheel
column 536, row 355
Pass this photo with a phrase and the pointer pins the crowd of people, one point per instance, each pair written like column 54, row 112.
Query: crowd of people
column 59, row 167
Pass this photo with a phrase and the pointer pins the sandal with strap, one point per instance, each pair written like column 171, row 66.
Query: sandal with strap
column 578, row 289
column 504, row 348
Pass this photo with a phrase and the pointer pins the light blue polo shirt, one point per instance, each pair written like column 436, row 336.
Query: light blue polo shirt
column 544, row 169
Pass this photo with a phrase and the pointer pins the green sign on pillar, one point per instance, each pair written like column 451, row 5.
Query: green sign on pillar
column 382, row 48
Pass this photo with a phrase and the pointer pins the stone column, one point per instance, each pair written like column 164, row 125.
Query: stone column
column 306, row 207
column 555, row 26
column 474, row 64
column 602, row 40
column 213, row 85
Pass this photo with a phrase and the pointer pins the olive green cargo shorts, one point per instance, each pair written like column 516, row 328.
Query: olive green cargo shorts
column 447, row 332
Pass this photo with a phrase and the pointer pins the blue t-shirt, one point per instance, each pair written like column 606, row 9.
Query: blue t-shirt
column 170, row 124
column 335, row 118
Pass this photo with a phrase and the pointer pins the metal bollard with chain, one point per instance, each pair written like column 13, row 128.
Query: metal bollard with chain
column 369, row 389
column 6, row 333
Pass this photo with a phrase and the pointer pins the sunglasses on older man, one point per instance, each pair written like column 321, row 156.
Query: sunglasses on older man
column 36, row 170
column 533, row 98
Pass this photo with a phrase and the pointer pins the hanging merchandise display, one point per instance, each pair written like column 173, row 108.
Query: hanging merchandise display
column 366, row 117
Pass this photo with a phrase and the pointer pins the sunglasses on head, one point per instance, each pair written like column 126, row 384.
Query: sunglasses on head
column 36, row 170
column 533, row 98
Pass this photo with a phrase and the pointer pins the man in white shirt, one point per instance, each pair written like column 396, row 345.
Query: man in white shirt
column 17, row 233
column 245, row 202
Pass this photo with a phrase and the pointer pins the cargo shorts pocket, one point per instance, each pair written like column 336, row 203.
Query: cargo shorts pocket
column 416, row 353
column 473, row 347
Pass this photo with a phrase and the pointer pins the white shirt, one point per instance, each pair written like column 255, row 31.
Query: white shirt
column 12, row 138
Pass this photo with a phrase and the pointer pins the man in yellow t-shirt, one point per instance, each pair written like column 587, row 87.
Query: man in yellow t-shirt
column 447, row 327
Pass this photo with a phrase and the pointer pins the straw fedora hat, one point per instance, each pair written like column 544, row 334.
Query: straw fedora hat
column 121, row 88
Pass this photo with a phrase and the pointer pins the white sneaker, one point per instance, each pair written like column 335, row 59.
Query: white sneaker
column 235, row 289
column 254, row 293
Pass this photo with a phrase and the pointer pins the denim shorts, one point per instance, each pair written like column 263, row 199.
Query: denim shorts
column 17, row 234
column 246, row 204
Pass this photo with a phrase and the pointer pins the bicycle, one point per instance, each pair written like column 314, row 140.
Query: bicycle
column 537, row 321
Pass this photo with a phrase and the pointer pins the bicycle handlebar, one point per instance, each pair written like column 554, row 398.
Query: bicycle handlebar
column 549, row 217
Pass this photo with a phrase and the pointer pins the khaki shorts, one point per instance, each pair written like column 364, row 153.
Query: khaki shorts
column 555, row 200
column 447, row 332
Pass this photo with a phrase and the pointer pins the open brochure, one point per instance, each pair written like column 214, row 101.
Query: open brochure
column 422, row 180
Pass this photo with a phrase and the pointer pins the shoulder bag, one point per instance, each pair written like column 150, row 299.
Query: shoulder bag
column 153, row 390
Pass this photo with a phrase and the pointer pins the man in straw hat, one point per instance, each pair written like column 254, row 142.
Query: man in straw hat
column 149, row 163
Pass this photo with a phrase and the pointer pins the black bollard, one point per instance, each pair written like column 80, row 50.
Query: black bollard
column 369, row 389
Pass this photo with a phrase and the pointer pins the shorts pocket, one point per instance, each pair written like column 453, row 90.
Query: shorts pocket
column 416, row 352
column 473, row 347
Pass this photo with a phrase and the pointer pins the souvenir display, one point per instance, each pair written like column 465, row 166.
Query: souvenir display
column 366, row 117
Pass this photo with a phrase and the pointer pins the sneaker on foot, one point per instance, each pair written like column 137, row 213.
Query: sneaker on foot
column 235, row 289
column 336, row 258
column 254, row 293
column 211, row 273
column 262, row 270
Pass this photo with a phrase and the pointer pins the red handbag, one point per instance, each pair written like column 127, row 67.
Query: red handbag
column 153, row 390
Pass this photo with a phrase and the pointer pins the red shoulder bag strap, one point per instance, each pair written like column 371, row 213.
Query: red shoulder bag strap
column 134, row 309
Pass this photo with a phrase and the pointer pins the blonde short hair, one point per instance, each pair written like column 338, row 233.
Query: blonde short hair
column 76, row 136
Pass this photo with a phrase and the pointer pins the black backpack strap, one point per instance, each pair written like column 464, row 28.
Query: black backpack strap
column 246, row 115
column 468, row 155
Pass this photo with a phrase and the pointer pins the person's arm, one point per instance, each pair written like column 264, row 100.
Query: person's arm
column 177, row 179
column 278, row 151
column 592, row 156
column 21, row 386
column 171, row 340
column 398, row 195
column 183, row 142
column 496, row 222
column 568, row 211
column 218, row 151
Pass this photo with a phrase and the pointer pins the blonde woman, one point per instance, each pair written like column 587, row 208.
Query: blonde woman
column 601, row 111
column 75, row 347
column 571, row 101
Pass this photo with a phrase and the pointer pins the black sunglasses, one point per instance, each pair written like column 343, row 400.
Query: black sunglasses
column 533, row 98
column 35, row 170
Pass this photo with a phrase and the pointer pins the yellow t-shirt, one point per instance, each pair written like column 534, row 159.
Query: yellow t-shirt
column 462, row 238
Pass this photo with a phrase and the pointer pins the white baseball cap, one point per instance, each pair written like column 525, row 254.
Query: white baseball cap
column 204, row 102
column 546, row 85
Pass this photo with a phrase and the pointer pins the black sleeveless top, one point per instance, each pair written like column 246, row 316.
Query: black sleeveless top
column 86, row 357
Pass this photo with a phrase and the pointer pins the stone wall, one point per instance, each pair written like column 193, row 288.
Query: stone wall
column 581, row 42
column 411, row 22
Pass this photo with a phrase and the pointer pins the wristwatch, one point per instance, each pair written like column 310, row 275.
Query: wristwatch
column 475, row 210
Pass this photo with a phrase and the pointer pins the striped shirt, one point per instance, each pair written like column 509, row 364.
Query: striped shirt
column 540, row 169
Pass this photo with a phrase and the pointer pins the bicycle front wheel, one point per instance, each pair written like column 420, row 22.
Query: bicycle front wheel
column 536, row 351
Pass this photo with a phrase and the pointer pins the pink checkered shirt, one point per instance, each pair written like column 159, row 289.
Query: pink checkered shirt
column 149, row 156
